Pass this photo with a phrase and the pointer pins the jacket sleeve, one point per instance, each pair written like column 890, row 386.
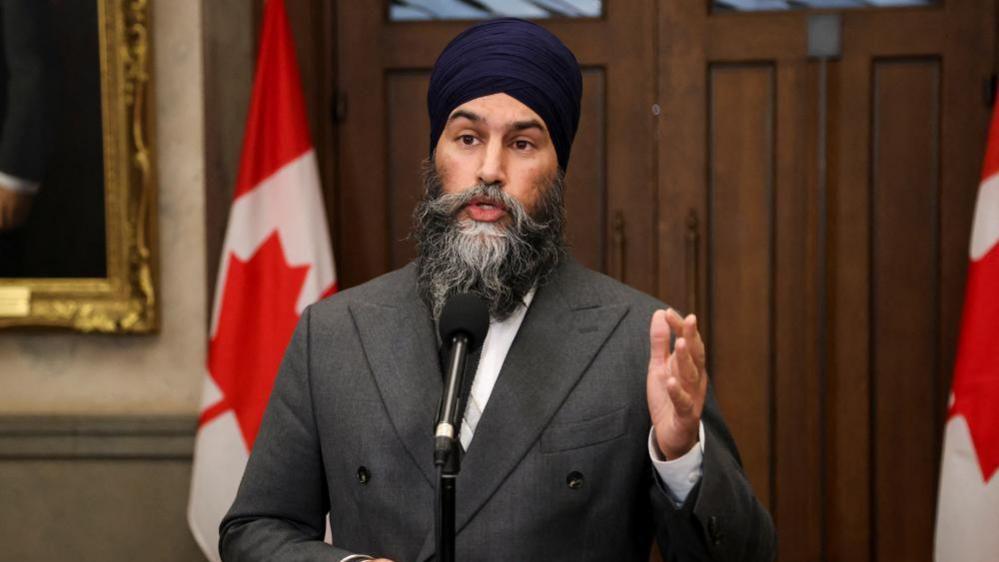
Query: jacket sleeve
column 721, row 519
column 280, row 510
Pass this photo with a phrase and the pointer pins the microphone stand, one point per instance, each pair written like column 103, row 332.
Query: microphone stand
column 447, row 457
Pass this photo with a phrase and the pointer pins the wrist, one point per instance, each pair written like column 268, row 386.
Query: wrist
column 671, row 451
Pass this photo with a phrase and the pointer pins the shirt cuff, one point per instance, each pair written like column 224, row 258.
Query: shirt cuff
column 356, row 557
column 680, row 475
column 18, row 185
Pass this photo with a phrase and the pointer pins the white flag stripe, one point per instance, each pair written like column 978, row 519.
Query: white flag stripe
column 967, row 518
column 985, row 232
column 290, row 203
column 210, row 393
column 221, row 458
column 985, row 229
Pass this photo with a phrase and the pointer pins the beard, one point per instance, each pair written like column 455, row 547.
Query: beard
column 498, row 261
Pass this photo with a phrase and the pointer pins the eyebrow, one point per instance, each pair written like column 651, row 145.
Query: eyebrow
column 529, row 124
column 517, row 125
column 466, row 114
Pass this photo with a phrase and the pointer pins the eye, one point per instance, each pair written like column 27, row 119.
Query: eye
column 522, row 144
column 467, row 140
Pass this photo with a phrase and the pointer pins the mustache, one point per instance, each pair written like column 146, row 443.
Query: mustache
column 449, row 204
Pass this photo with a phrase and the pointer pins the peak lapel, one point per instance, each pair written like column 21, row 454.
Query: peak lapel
column 401, row 349
column 553, row 347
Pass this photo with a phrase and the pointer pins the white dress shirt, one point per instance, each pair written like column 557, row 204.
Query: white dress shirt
column 18, row 185
column 679, row 475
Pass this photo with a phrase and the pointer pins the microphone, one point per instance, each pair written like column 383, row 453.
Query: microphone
column 462, row 328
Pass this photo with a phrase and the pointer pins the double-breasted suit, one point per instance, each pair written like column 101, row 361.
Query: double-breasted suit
column 559, row 465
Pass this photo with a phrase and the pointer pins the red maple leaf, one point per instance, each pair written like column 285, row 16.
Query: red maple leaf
column 976, row 373
column 256, row 320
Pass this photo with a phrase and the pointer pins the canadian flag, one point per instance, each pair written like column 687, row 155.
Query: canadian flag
column 968, row 506
column 276, row 260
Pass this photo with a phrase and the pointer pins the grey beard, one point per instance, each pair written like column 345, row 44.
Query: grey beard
column 499, row 263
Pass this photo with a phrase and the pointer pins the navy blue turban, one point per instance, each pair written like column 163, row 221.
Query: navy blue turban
column 514, row 57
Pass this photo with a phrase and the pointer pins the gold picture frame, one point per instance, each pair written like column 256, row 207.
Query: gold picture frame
column 124, row 301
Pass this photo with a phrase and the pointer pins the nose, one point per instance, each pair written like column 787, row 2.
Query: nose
column 491, row 168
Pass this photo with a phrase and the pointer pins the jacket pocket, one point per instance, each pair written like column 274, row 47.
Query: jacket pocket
column 573, row 435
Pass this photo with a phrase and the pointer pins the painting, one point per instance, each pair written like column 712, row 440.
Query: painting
column 77, row 193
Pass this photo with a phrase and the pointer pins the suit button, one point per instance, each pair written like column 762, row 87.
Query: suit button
column 574, row 480
column 363, row 475
column 714, row 531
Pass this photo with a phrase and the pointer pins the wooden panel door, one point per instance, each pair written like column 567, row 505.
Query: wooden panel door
column 738, row 177
column 816, row 214
column 911, row 119
column 383, row 71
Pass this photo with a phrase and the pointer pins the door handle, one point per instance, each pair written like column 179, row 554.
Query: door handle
column 620, row 245
column 693, row 240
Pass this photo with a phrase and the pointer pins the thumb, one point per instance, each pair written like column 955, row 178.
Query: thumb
column 659, row 334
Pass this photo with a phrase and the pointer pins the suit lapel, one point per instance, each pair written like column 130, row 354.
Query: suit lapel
column 401, row 349
column 556, row 342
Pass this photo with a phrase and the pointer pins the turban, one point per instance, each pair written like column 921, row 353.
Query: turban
column 514, row 57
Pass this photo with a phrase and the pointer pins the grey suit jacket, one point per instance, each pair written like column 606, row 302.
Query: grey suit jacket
column 350, row 422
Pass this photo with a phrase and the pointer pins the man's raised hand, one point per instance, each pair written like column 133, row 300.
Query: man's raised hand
column 677, row 382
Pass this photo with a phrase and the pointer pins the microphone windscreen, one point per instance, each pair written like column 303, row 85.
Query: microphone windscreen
column 464, row 313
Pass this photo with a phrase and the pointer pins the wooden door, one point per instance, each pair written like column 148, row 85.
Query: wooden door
column 383, row 71
column 912, row 117
column 739, row 184
column 819, row 210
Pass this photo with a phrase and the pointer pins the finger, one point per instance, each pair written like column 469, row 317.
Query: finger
column 686, row 369
column 675, row 321
column 659, row 334
column 683, row 404
column 696, row 343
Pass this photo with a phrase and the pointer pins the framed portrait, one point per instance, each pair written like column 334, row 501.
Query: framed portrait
column 78, row 232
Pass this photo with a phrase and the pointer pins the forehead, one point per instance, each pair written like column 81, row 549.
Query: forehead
column 498, row 110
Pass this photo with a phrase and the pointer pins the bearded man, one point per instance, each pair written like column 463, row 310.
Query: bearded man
column 585, row 434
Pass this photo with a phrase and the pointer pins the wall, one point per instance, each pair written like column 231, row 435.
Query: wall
column 66, row 373
column 96, row 432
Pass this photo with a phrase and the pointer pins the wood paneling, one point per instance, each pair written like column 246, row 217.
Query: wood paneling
column 905, row 300
column 361, row 230
column 848, row 403
column 797, row 425
column 405, row 102
column 587, row 230
column 857, row 235
column 741, row 236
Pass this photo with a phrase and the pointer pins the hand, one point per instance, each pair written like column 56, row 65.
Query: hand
column 14, row 208
column 677, row 383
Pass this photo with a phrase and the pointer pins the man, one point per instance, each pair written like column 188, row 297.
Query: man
column 585, row 436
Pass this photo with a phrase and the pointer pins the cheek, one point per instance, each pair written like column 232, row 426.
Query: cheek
column 530, row 183
column 454, row 173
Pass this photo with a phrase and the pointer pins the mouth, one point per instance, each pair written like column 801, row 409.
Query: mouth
column 483, row 209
